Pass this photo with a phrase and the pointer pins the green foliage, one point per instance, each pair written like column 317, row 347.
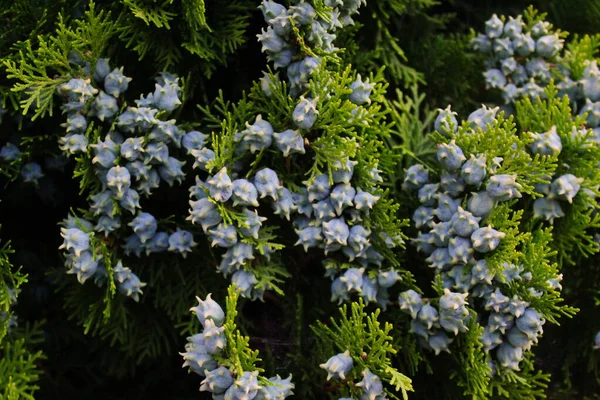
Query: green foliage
column 237, row 354
column 19, row 368
column 502, row 141
column 408, row 141
column 370, row 346
column 41, row 66
column 573, row 234
column 474, row 373
column 377, row 41
column 164, row 32
column 10, row 281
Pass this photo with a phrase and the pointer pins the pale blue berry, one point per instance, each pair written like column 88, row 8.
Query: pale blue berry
column 130, row 200
column 118, row 179
column 213, row 336
column 131, row 286
column 209, row 309
column 518, row 339
column 76, row 124
column 73, row 143
column 267, row 183
column 490, row 339
column 132, row 148
column 503, row 48
column 339, row 292
column 548, row 46
column 145, row 226
column 546, row 144
column 244, row 387
column 257, row 136
column 107, row 224
column 305, row 114
column 428, row 315
column 364, row 201
column 244, row 282
column 217, row 381
column 497, row 301
column 513, row 27
column 182, row 242
column 220, row 186
column 104, row 107
column 156, row 153
column 167, row 132
column 304, row 206
column 509, row 356
column 319, row 188
column 480, row 204
column 415, row 177
column 223, row 235
column 480, row 273
column 474, row 170
column 101, row 69
column 158, row 243
column 482, row 44
column 440, row 233
column 115, row 83
column 252, row 224
column 244, row 193
column 9, row 152
column 423, row 216
column 387, row 279
column 199, row 361
column 500, row 322
column 411, row 302
column 342, row 172
column 503, row 187
column 463, row 223
column 565, row 187
column 194, row 140
column 353, row 279
column 371, row 385
column 138, row 170
column 482, row 117
column 361, row 91
column 342, row 196
column 530, row 323
column 303, row 13
column 203, row 157
column 428, row 193
column 494, row 79
column 450, row 156
column 460, row 250
column 105, row 152
column 205, row 212
column 590, row 83
column 145, row 185
column 284, row 205
column 538, row 68
column 446, row 208
column 338, row 366
column 446, row 120
column 549, row 209
column 524, row 44
column 452, row 183
column 336, row 231
column 486, row 239
column 84, row 266
column 494, row 27
column 289, row 142
column 166, row 96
